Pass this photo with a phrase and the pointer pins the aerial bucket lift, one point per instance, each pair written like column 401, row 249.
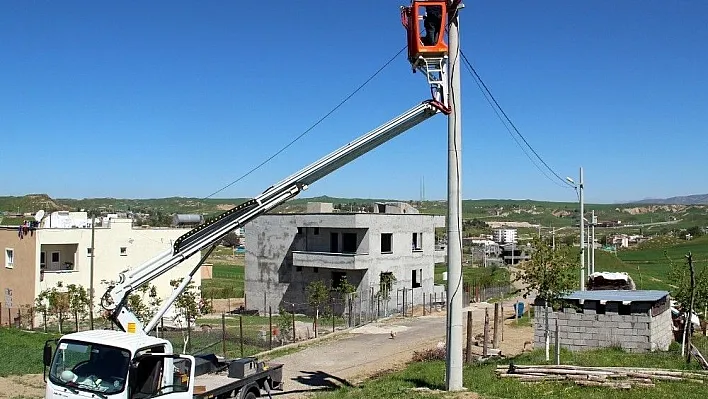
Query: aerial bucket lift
column 425, row 22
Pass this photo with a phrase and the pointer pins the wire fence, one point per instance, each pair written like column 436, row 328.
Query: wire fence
column 241, row 333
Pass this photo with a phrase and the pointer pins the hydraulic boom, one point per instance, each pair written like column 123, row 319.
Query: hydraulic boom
column 210, row 233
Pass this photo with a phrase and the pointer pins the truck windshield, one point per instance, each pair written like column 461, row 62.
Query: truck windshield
column 90, row 367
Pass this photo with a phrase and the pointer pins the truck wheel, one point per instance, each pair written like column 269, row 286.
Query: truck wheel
column 250, row 395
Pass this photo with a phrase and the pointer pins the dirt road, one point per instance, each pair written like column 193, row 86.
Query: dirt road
column 368, row 350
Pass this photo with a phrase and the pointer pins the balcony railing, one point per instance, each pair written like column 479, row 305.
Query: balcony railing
column 332, row 260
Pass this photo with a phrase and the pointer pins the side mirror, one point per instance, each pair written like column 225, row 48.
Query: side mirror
column 47, row 356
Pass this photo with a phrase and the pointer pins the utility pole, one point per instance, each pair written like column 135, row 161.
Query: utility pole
column 93, row 233
column 587, row 245
column 592, row 242
column 582, row 228
column 453, row 366
column 553, row 238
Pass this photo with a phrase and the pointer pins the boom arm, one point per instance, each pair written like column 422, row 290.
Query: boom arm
column 209, row 233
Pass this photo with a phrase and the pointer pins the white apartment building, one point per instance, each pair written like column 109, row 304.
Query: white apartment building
column 505, row 236
column 64, row 254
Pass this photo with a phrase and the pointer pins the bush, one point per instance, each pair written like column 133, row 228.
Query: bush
column 429, row 355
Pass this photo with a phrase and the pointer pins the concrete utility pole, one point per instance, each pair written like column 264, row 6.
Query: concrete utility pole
column 582, row 229
column 582, row 232
column 592, row 243
column 453, row 364
column 93, row 231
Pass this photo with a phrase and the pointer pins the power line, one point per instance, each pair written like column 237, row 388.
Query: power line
column 511, row 133
column 489, row 96
column 301, row 135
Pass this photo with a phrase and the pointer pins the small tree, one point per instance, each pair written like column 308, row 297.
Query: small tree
column 551, row 274
column 186, row 307
column 317, row 295
column 55, row 302
column 144, row 308
column 79, row 301
column 680, row 276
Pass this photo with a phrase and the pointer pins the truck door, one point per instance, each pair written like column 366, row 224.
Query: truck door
column 147, row 374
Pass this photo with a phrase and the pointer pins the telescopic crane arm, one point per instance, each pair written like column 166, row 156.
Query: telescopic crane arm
column 210, row 233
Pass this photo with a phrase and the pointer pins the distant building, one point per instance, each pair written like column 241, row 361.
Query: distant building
column 505, row 236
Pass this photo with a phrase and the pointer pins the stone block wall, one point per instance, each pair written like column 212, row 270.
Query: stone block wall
column 637, row 332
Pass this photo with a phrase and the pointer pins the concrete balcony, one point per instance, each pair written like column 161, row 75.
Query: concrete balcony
column 332, row 260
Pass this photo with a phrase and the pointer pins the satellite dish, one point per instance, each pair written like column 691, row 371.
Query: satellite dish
column 39, row 215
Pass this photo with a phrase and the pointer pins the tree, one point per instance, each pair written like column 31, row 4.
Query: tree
column 680, row 276
column 142, row 308
column 78, row 301
column 317, row 295
column 551, row 274
column 54, row 302
column 231, row 240
column 187, row 307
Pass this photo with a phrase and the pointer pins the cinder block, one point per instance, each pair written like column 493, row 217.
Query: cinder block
column 624, row 324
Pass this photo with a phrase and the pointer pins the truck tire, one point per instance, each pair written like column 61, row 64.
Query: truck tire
column 250, row 395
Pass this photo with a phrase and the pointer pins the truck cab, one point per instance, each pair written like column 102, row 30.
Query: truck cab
column 113, row 364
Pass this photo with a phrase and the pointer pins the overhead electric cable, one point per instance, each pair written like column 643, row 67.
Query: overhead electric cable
column 301, row 135
column 495, row 105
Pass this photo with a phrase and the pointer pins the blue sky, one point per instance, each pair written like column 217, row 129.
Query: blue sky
column 177, row 98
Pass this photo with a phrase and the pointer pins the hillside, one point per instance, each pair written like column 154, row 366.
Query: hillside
column 31, row 203
column 696, row 199
column 641, row 218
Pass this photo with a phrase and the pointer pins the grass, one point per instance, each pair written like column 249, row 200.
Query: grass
column 647, row 263
column 472, row 275
column 21, row 352
column 482, row 379
column 255, row 333
column 227, row 282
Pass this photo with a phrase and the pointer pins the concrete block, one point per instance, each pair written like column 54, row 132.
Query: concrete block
column 562, row 322
column 625, row 324
column 574, row 336
column 593, row 343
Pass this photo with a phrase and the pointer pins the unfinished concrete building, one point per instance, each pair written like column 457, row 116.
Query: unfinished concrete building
column 284, row 253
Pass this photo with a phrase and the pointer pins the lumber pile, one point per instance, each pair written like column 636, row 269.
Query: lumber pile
column 613, row 377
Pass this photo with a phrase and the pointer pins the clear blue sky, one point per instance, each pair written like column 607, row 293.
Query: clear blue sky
column 176, row 98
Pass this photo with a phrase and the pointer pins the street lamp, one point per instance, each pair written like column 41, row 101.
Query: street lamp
column 579, row 190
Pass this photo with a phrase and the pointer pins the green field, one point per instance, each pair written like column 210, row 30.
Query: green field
column 227, row 282
column 489, row 276
column 648, row 264
column 482, row 380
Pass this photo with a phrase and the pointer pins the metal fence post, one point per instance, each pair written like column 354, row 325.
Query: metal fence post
column 270, row 327
column 293, row 322
column 189, row 332
column 240, row 329
column 223, row 333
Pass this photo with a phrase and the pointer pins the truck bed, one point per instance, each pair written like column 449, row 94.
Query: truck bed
column 212, row 384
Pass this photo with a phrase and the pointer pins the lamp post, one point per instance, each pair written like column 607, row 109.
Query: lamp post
column 579, row 189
